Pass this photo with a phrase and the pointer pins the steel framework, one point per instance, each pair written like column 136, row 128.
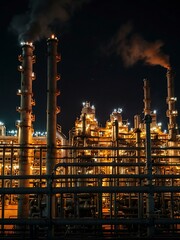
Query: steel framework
column 93, row 196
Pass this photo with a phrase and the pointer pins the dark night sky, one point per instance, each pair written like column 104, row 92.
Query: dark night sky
column 90, row 69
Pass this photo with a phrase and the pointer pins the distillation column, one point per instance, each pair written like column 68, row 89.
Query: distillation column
column 147, row 100
column 148, row 122
column 52, row 108
column 52, row 111
column 171, row 112
column 25, row 124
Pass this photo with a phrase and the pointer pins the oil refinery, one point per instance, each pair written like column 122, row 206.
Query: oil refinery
column 108, row 182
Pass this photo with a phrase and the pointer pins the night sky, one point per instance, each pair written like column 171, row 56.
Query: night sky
column 107, row 49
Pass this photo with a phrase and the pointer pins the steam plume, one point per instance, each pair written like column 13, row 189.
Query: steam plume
column 133, row 48
column 37, row 22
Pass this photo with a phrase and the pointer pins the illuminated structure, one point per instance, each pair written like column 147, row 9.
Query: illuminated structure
column 103, row 182
column 25, row 124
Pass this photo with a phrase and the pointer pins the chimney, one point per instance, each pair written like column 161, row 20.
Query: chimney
column 147, row 100
column 52, row 108
column 171, row 112
column 25, row 124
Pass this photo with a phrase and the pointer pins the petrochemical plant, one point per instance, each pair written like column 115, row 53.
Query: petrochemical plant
column 108, row 182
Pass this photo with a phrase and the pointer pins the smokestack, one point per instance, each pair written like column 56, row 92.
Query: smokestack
column 25, row 124
column 52, row 108
column 147, row 100
column 171, row 112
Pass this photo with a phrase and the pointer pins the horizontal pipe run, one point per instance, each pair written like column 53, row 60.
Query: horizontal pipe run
column 122, row 164
column 91, row 189
column 88, row 221
column 111, row 164
column 66, row 147
column 90, row 176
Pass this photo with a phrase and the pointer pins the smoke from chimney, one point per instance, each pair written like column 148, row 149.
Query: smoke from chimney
column 133, row 48
column 39, row 20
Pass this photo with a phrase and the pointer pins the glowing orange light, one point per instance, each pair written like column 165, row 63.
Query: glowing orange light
column 168, row 67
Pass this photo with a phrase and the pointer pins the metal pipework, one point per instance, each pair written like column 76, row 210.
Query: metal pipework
column 52, row 108
column 115, row 132
column 147, row 100
column 52, row 111
column 150, row 197
column 171, row 99
column 25, row 124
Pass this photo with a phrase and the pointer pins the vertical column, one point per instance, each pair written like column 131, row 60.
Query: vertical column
column 147, row 100
column 52, row 108
column 25, row 124
column 52, row 111
column 150, row 195
column 171, row 112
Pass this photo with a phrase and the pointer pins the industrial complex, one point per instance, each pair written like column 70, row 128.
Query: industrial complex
column 102, row 182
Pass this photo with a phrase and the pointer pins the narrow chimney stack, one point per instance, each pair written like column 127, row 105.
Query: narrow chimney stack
column 171, row 112
column 25, row 124
column 52, row 108
column 147, row 100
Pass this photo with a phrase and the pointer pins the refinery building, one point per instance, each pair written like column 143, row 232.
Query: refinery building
column 100, row 182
